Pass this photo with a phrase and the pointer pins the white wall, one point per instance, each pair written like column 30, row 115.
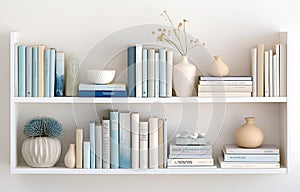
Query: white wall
column 229, row 28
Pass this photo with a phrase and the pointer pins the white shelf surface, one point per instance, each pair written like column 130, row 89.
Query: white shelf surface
column 135, row 100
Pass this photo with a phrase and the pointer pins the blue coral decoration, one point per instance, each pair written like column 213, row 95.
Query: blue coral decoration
column 43, row 127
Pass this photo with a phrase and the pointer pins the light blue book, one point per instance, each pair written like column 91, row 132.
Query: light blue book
column 125, row 140
column 93, row 144
column 114, row 139
column 86, row 155
column 52, row 72
column 34, row 71
column 46, row 72
column 251, row 157
column 162, row 73
column 28, row 71
column 131, row 71
column 59, row 74
column 22, row 71
column 98, row 147
column 145, row 73
column 165, row 147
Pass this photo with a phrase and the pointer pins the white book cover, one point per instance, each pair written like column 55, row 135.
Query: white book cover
column 144, row 130
column 145, row 73
column 267, row 94
column 102, row 87
column 98, row 147
column 92, row 145
column 275, row 77
column 125, row 140
column 191, row 162
column 160, row 143
column 169, row 73
column 86, row 155
column 232, row 83
column 271, row 86
column 106, row 144
column 16, row 72
column 225, row 94
column 283, row 70
column 230, row 88
column 156, row 75
column 151, row 71
column 153, row 143
column 247, row 165
column 263, row 149
column 138, row 70
column 162, row 73
column 165, row 148
column 135, row 140
column 277, row 74
column 46, row 72
column 29, row 71
column 254, row 70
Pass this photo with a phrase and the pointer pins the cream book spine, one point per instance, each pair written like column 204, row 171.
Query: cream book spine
column 160, row 143
column 260, row 70
column 144, row 138
column 267, row 93
column 79, row 143
column 254, row 71
column 41, row 49
column 271, row 73
column 169, row 73
column 153, row 143
column 138, row 70
column 135, row 145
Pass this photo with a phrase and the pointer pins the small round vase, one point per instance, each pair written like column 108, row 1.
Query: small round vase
column 70, row 157
column 184, row 77
column 249, row 135
column 217, row 68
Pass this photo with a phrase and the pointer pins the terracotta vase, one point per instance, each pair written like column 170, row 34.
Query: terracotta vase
column 70, row 157
column 249, row 135
column 217, row 68
column 184, row 77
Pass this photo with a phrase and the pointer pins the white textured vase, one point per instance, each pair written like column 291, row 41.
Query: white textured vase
column 70, row 157
column 72, row 79
column 217, row 68
column 184, row 77
column 41, row 151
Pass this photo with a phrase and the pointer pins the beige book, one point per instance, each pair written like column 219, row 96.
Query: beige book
column 41, row 49
column 160, row 143
column 260, row 70
column 79, row 141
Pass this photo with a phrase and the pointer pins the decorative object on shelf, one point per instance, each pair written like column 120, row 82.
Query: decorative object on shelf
column 100, row 76
column 217, row 68
column 70, row 157
column 72, row 79
column 184, row 73
column 249, row 135
column 42, row 148
column 188, row 138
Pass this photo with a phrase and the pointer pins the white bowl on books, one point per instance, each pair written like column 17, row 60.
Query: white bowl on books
column 100, row 76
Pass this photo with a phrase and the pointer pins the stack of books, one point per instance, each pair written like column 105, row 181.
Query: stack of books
column 229, row 86
column 102, row 90
column 263, row 157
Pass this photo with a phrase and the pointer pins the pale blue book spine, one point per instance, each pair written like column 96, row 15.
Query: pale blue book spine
column 98, row 147
column 125, row 140
column 114, row 139
column 145, row 73
column 59, row 74
column 86, row 155
column 162, row 73
column 46, row 72
column 28, row 71
column 93, row 144
column 34, row 71
column 252, row 157
column 22, row 70
column 52, row 72
column 165, row 147
column 131, row 71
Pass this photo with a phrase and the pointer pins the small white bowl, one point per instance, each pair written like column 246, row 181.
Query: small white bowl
column 100, row 76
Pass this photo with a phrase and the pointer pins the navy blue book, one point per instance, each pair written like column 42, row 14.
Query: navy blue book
column 131, row 71
column 102, row 93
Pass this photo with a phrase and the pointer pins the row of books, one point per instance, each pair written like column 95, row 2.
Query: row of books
column 102, row 90
column 264, row 157
column 269, row 68
column 149, row 72
column 229, row 86
column 39, row 71
column 123, row 141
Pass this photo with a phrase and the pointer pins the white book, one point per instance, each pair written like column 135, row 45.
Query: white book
column 144, row 144
column 79, row 143
column 225, row 94
column 29, row 71
column 138, row 70
column 247, row 165
column 263, row 149
column 125, row 140
column 156, row 75
column 106, row 144
column 92, row 145
column 135, row 140
column 283, row 70
column 102, row 87
column 151, row 71
column 46, row 72
column 86, row 155
column 267, row 94
column 162, row 73
column 253, row 71
column 98, row 147
column 52, row 72
column 169, row 73
column 165, row 148
column 277, row 73
column 230, row 88
column 145, row 73
column 271, row 87
column 160, row 143
column 16, row 72
column 153, row 143
column 275, row 77
column 225, row 83
column 191, row 162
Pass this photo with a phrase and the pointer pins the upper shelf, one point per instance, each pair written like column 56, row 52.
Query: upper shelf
column 135, row 100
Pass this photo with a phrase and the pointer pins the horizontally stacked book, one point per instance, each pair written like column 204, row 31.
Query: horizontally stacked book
column 39, row 71
column 228, row 86
column 123, row 141
column 263, row 157
column 102, row 90
column 149, row 71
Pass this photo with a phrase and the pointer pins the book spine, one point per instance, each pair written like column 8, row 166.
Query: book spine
column 135, row 130
column 267, row 91
column 191, row 162
column 34, row 71
column 151, row 71
column 52, row 72
column 102, row 87
column 162, row 73
column 131, row 71
column 254, row 70
column 205, row 149
column 79, row 142
column 41, row 49
column 224, row 94
column 16, row 72
column 283, row 70
column 153, row 143
column 254, row 151
column 260, row 70
column 229, row 88
column 114, row 139
column 260, row 157
column 46, row 72
column 106, row 144
column 226, row 78
column 28, row 71
column 93, row 145
column 60, row 74
column 228, row 83
column 275, row 76
column 138, row 70
column 160, row 143
column 125, row 140
column 250, row 166
column 144, row 144
column 271, row 73
column 169, row 73
column 22, row 71
column 156, row 75
column 145, row 73
column 98, row 137
column 190, row 141
column 192, row 156
column 102, row 93
column 165, row 144
column 86, row 155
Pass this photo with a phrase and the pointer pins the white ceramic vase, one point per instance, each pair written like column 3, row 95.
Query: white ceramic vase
column 184, row 77
column 70, row 157
column 217, row 68
column 72, row 79
column 41, row 151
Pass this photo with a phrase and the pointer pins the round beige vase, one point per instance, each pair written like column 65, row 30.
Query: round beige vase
column 249, row 135
column 70, row 157
column 217, row 68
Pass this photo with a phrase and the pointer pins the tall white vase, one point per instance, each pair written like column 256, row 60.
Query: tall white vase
column 70, row 157
column 184, row 77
